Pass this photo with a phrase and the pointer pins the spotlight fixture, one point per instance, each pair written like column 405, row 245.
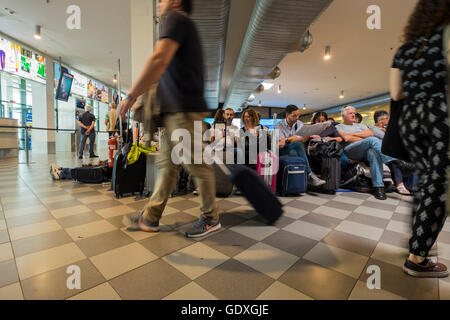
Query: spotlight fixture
column 260, row 88
column 279, row 89
column 115, row 78
column 275, row 73
column 37, row 32
column 342, row 94
column 327, row 53
column 259, row 104
column 251, row 98
column 267, row 85
column 304, row 106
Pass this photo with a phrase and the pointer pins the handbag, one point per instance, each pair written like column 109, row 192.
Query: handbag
column 325, row 148
column 392, row 144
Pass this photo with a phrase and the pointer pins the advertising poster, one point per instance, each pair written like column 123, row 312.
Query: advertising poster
column 79, row 85
column 22, row 62
column 91, row 89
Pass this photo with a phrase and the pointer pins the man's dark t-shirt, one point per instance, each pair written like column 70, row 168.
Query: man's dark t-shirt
column 181, row 87
column 86, row 118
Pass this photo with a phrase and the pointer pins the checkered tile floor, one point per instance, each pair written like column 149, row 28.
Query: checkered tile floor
column 320, row 249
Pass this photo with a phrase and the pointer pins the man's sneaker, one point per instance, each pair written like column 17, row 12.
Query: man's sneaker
column 138, row 222
column 93, row 156
column 196, row 192
column 314, row 181
column 203, row 226
column 426, row 269
column 80, row 157
column 55, row 171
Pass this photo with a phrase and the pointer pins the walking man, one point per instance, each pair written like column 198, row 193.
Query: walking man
column 177, row 63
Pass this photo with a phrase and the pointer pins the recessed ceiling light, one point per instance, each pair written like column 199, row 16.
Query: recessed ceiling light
column 10, row 11
column 267, row 85
column 37, row 32
column 327, row 55
column 342, row 94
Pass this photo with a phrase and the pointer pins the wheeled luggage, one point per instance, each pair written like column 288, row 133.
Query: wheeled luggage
column 89, row 174
column 292, row 176
column 331, row 173
column 267, row 168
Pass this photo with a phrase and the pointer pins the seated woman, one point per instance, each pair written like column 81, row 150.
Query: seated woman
column 251, row 132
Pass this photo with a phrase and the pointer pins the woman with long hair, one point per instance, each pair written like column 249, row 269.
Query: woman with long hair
column 419, row 77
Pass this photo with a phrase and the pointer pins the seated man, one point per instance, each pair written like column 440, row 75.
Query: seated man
column 292, row 145
column 360, row 144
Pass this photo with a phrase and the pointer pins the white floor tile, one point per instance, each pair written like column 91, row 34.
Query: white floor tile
column 195, row 260
column 49, row 200
column 90, row 229
column 444, row 290
column 348, row 200
column 378, row 213
column 47, row 260
column 360, row 230
column 94, row 199
column 34, row 229
column 2, row 225
column 66, row 212
column 191, row 291
column 294, row 213
column 398, row 226
column 25, row 211
column 332, row 212
column 343, row 261
column 393, row 202
column 115, row 211
column 11, row 292
column 444, row 250
column 280, row 291
column 118, row 261
column 266, row 259
column 313, row 200
column 254, row 230
column 101, row 292
column 404, row 210
column 309, row 230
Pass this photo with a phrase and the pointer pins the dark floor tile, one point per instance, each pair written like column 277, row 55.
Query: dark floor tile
column 78, row 219
column 8, row 273
column 53, row 285
column 104, row 204
column 40, row 242
column 63, row 204
column 86, row 194
column 379, row 205
column 322, row 220
column 349, row 242
column 290, row 242
column 28, row 219
column 368, row 220
column 166, row 243
column 362, row 196
column 283, row 222
column 116, row 221
column 48, row 194
column 401, row 217
column 395, row 280
column 21, row 204
column 152, row 281
column 303, row 205
column 229, row 242
column 139, row 205
column 224, row 204
column 318, row 282
column 4, row 237
column 233, row 280
column 184, row 205
column 228, row 219
column 341, row 205
column 395, row 238
column 175, row 220
column 101, row 243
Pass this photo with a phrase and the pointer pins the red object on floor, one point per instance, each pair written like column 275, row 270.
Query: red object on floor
column 112, row 146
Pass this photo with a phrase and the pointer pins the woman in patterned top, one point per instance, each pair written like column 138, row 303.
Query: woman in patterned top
column 419, row 79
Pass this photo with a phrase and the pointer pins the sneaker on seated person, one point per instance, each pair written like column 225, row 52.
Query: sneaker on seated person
column 314, row 180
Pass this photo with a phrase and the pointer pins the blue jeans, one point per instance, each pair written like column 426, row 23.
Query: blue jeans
column 296, row 149
column 66, row 173
column 369, row 150
column 83, row 143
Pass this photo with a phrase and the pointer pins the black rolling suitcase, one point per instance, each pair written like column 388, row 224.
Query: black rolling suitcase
column 130, row 178
column 331, row 173
column 89, row 174
column 255, row 190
